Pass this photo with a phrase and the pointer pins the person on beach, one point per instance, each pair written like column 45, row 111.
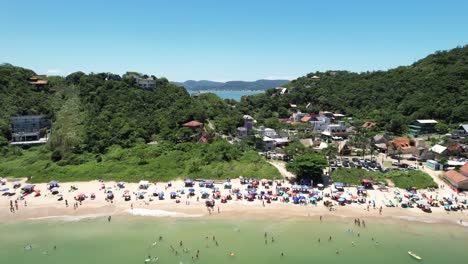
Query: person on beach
column 330, row 238
column 320, row 218
column 66, row 203
column 319, row 240
column 25, row 203
column 109, row 218
column 16, row 205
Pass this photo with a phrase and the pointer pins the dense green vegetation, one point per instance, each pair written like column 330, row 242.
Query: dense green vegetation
column 101, row 122
column 408, row 179
column 161, row 162
column 308, row 166
column 435, row 87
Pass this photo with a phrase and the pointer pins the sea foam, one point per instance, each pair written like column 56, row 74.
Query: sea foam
column 160, row 213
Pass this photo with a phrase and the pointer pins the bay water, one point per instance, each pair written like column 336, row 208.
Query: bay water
column 133, row 240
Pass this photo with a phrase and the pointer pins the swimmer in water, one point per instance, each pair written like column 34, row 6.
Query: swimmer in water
column 231, row 254
column 282, row 254
column 337, row 252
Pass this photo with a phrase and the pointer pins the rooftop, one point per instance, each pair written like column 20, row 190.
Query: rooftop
column 455, row 176
column 426, row 121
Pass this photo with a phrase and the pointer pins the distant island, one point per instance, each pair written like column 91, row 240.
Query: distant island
column 205, row 85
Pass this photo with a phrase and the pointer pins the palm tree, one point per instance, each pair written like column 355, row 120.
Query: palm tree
column 330, row 152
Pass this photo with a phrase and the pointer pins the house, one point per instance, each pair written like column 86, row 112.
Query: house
column 306, row 119
column 368, row 125
column 248, row 122
column 269, row 143
column 402, row 144
column 380, row 139
column 38, row 82
column 319, row 123
column 462, row 130
column 29, row 129
column 423, row 126
column 193, row 124
column 297, row 117
column 336, row 128
column 343, row 148
column 458, row 179
column 242, row 132
column 439, row 151
column 148, row 83
column 266, row 132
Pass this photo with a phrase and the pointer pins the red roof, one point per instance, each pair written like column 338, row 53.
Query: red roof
column 193, row 124
column 306, row 119
column 203, row 139
column 455, row 176
column 464, row 169
column 402, row 142
column 454, row 147
column 369, row 124
column 39, row 82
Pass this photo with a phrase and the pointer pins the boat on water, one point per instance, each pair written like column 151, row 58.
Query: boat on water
column 414, row 255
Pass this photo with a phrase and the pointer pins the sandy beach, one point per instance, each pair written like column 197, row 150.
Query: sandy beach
column 47, row 206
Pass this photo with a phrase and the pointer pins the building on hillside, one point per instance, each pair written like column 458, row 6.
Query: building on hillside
column 297, row 116
column 336, row 128
column 458, row 179
column 320, row 123
column 368, row 125
column 344, row 148
column 380, row 139
column 267, row 132
column 193, row 124
column 462, row 130
column 38, row 82
column 248, row 122
column 423, row 126
column 146, row 83
column 29, row 129
column 439, row 151
column 402, row 144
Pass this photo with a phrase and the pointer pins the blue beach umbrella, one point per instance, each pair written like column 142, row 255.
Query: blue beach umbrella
column 191, row 190
column 285, row 195
column 341, row 200
column 4, row 189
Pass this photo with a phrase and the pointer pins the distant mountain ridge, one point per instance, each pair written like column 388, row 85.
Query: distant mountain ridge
column 231, row 85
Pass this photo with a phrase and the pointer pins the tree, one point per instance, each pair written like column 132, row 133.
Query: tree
column 308, row 166
column 330, row 152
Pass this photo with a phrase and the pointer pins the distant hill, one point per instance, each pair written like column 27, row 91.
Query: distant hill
column 231, row 85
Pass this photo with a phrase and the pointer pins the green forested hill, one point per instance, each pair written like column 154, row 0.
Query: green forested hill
column 434, row 87
column 101, row 122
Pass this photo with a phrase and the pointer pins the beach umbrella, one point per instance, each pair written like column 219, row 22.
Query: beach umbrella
column 320, row 185
column 285, row 195
column 302, row 197
column 173, row 193
column 191, row 190
column 341, row 199
column 55, row 189
column 4, row 189
column 312, row 199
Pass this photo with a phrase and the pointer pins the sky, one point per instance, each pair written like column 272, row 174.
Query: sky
column 225, row 40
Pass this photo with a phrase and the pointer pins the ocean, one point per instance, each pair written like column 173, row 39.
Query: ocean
column 133, row 240
column 236, row 95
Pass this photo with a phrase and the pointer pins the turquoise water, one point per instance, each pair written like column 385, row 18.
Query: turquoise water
column 236, row 95
column 131, row 241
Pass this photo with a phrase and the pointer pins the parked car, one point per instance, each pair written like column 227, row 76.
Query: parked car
column 396, row 163
column 411, row 158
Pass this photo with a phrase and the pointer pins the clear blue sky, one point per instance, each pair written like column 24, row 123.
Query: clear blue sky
column 226, row 39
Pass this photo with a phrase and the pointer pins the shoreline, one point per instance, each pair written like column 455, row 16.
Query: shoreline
column 47, row 208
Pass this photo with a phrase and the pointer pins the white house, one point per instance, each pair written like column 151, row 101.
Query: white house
column 320, row 123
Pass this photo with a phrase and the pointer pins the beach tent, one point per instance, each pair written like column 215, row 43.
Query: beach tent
column 28, row 188
column 209, row 184
column 52, row 184
column 339, row 186
column 144, row 184
column 188, row 183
